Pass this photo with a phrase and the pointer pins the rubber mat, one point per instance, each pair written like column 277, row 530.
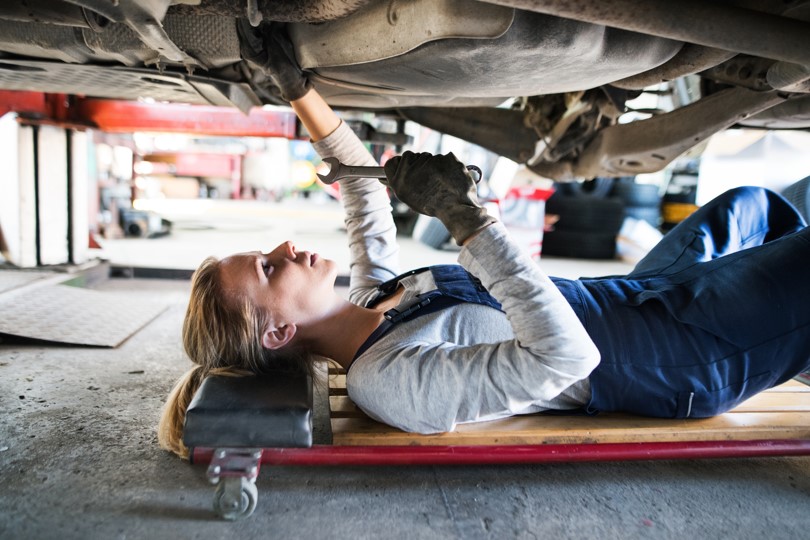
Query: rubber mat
column 64, row 314
column 10, row 279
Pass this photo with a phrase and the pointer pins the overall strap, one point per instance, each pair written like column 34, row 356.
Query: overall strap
column 421, row 305
column 454, row 285
column 389, row 287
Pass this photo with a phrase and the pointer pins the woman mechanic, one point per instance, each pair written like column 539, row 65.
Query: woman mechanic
column 714, row 314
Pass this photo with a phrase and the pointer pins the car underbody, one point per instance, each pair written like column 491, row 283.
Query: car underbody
column 546, row 83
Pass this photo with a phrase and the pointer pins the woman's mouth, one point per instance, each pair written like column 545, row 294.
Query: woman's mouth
column 312, row 259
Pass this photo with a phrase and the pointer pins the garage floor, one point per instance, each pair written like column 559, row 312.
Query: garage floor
column 78, row 459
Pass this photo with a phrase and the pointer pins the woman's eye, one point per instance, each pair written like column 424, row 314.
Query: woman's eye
column 267, row 269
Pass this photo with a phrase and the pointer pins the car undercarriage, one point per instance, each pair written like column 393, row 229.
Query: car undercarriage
column 546, row 83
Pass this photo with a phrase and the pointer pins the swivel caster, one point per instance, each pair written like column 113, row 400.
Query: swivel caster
column 235, row 470
column 235, row 498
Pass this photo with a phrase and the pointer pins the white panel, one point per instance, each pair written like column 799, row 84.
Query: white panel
column 80, row 228
column 26, row 195
column 10, row 185
column 53, row 196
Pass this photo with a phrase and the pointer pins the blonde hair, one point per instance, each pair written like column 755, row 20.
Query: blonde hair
column 222, row 335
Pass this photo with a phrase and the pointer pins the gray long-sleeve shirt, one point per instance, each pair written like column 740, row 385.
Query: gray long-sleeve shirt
column 469, row 362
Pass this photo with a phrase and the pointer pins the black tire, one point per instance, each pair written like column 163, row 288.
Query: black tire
column 586, row 214
column 579, row 245
column 598, row 188
column 637, row 195
column 799, row 196
column 650, row 214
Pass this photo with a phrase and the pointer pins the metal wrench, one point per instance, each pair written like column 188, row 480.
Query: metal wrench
column 338, row 170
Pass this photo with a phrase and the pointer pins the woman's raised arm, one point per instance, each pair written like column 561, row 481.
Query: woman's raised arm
column 316, row 115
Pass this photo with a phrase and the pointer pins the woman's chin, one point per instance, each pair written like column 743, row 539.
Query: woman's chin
column 331, row 268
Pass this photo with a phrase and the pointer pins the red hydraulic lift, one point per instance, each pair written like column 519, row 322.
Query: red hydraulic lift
column 114, row 116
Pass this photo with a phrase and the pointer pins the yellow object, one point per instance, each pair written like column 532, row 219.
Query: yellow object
column 677, row 212
column 302, row 174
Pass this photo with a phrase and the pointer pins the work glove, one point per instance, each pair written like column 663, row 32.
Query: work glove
column 439, row 186
column 282, row 65
column 273, row 53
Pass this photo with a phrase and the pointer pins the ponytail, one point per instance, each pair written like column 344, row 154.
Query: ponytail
column 173, row 416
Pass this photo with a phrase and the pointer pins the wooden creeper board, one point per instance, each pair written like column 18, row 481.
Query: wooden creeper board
column 780, row 413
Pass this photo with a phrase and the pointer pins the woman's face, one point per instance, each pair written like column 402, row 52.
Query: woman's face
column 290, row 286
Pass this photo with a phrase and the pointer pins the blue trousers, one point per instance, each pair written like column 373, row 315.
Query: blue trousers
column 715, row 313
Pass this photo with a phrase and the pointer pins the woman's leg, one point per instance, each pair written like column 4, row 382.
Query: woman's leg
column 699, row 342
column 738, row 219
column 754, row 303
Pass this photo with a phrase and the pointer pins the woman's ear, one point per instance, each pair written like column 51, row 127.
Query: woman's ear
column 275, row 338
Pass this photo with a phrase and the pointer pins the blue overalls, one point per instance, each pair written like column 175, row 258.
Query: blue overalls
column 706, row 320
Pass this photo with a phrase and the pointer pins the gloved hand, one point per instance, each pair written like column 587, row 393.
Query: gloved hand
column 439, row 186
column 283, row 66
column 271, row 51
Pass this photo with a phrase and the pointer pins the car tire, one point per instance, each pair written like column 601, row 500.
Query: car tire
column 799, row 196
column 598, row 188
column 637, row 195
column 586, row 214
column 579, row 245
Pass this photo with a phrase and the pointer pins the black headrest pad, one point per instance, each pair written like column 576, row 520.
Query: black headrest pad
column 266, row 411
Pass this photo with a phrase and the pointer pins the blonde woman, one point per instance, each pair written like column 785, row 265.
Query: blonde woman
column 713, row 315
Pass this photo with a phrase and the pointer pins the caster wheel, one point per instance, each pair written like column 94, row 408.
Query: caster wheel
column 235, row 498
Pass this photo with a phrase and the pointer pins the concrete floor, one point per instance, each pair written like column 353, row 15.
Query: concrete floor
column 79, row 459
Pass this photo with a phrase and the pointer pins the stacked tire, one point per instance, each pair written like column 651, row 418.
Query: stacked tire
column 590, row 219
column 641, row 201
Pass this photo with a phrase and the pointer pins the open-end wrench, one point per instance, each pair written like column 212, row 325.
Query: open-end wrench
column 338, row 170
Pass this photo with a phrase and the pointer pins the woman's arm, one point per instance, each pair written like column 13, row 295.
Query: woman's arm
column 374, row 252
column 316, row 115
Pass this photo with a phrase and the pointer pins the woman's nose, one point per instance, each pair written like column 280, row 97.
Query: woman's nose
column 289, row 249
column 285, row 250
